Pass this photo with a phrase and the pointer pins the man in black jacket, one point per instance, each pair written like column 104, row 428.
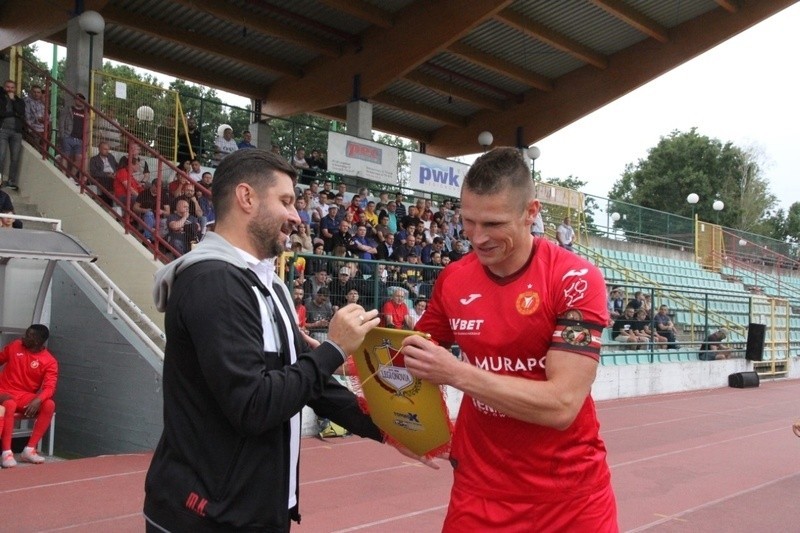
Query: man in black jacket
column 238, row 370
column 12, row 118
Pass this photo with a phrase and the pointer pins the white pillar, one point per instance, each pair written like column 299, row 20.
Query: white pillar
column 76, row 75
column 359, row 119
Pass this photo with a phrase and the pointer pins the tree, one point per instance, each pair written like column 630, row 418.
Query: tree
column 405, row 146
column 684, row 163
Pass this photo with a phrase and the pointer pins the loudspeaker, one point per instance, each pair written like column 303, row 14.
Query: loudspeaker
column 743, row 380
column 755, row 342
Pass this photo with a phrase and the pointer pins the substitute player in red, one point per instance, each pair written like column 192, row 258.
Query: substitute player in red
column 528, row 316
column 27, row 385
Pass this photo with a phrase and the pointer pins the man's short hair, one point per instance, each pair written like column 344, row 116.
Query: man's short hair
column 255, row 167
column 499, row 170
column 40, row 331
column 323, row 291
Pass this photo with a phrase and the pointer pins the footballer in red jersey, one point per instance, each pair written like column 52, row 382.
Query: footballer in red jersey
column 27, row 385
column 528, row 317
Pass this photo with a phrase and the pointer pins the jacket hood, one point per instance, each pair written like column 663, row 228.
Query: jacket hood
column 212, row 247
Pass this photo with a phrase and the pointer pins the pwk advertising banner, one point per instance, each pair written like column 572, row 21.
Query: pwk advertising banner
column 436, row 175
column 353, row 156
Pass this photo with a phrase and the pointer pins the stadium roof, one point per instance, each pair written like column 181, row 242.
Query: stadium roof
column 439, row 71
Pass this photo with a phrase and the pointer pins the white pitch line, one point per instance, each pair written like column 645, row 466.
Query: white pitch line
column 391, row 519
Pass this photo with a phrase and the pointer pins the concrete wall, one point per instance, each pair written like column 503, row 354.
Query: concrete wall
column 120, row 256
column 109, row 390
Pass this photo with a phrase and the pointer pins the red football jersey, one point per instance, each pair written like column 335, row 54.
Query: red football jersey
column 26, row 371
column 506, row 326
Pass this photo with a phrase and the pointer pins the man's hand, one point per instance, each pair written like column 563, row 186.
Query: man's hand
column 350, row 325
column 33, row 408
column 429, row 361
column 421, row 458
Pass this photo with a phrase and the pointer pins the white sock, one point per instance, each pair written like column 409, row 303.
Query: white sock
column 28, row 449
column 8, row 452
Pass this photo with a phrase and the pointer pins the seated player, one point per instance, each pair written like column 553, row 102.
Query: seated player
column 27, row 385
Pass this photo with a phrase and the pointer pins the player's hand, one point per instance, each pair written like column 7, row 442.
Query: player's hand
column 427, row 461
column 33, row 408
column 427, row 360
column 796, row 428
column 349, row 326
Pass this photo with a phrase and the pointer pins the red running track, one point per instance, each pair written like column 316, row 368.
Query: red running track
column 718, row 460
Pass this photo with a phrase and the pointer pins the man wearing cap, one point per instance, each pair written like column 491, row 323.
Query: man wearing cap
column 339, row 288
column 224, row 146
column 71, row 126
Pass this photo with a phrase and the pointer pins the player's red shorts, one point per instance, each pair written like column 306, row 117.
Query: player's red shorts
column 595, row 513
column 23, row 399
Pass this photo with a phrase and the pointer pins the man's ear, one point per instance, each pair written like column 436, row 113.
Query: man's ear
column 246, row 198
column 531, row 210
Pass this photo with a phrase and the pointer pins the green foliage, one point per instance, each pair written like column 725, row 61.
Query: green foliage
column 304, row 131
column 403, row 163
column 684, row 163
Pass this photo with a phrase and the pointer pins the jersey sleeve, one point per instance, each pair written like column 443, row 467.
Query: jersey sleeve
column 49, row 380
column 581, row 309
column 434, row 321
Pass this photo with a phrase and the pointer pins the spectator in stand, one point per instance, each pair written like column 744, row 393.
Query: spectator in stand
column 411, row 219
column 301, row 164
column 457, row 252
column 430, row 274
column 126, row 190
column 400, row 208
column 300, row 308
column 713, row 349
column 395, row 310
column 190, row 143
column 138, row 167
column 224, row 146
column 364, row 248
column 565, row 234
column 385, row 251
column 355, row 207
column 71, row 126
column 300, row 206
column 665, row 327
column 103, row 168
column 317, row 281
column 369, row 212
column 339, row 287
column 410, row 246
column 343, row 237
column 195, row 209
column 416, row 312
column 624, row 330
column 12, row 120
column 327, row 228
column 184, row 228
column 427, row 251
column 206, row 207
column 6, row 222
column 27, row 385
column 316, row 161
column 616, row 303
column 319, row 312
column 647, row 305
column 246, row 141
column 302, row 236
column 178, row 186
column 145, row 207
column 382, row 228
column 642, row 329
column 423, row 234
column 196, row 171
column 391, row 212
column 637, row 301
column 35, row 114
column 276, row 150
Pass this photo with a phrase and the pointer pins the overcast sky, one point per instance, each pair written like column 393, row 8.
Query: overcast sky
column 744, row 91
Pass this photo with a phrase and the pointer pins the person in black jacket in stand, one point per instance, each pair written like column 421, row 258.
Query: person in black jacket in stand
column 238, row 370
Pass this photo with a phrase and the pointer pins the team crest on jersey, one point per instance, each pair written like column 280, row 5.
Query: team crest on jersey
column 573, row 314
column 34, row 364
column 577, row 335
column 528, row 302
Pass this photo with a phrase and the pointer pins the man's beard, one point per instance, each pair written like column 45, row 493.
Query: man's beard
column 265, row 234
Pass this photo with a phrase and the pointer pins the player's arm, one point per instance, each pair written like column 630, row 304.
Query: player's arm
column 554, row 403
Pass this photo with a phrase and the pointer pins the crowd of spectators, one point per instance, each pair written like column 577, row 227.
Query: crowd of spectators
column 634, row 325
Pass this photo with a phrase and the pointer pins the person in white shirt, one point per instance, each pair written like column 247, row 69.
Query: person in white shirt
column 224, row 146
column 565, row 234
